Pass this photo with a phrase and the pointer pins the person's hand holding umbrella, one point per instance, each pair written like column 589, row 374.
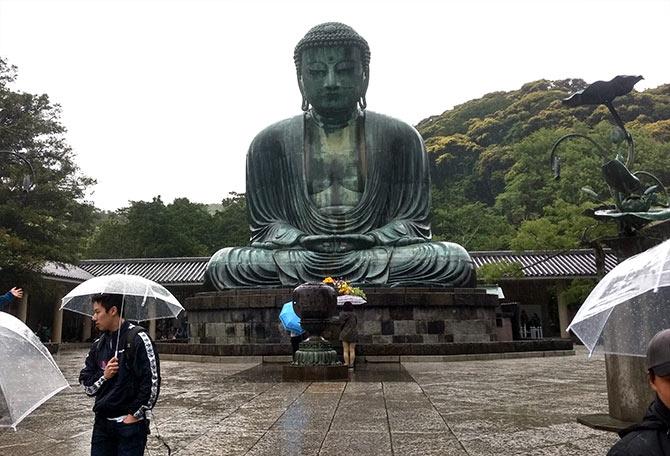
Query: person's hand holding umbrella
column 111, row 368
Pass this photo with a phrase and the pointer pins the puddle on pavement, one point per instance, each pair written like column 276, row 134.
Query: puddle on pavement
column 364, row 372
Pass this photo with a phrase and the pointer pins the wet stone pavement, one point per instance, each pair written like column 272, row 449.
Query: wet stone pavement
column 522, row 406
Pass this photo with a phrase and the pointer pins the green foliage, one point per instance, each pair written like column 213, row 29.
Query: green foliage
column 230, row 226
column 575, row 294
column 473, row 225
column 48, row 223
column 152, row 229
column 493, row 272
column 562, row 226
column 493, row 187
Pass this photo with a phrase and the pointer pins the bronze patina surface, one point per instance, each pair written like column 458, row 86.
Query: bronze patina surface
column 338, row 190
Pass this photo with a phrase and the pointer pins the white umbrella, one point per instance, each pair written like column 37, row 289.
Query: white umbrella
column 355, row 300
column 628, row 306
column 143, row 298
column 29, row 376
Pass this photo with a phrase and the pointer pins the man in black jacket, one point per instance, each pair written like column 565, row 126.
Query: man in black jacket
column 652, row 436
column 125, row 381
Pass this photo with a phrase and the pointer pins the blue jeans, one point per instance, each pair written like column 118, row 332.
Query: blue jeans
column 118, row 439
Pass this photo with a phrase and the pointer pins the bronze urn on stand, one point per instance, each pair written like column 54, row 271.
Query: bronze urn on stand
column 316, row 305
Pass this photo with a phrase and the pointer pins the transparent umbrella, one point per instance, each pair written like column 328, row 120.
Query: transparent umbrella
column 143, row 299
column 628, row 306
column 29, row 376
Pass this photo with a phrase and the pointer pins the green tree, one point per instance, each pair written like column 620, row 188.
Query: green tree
column 110, row 238
column 474, row 226
column 562, row 226
column 495, row 151
column 48, row 223
column 230, row 224
column 492, row 272
column 152, row 229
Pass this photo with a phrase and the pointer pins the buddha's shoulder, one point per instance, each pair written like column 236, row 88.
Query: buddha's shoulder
column 390, row 125
column 280, row 128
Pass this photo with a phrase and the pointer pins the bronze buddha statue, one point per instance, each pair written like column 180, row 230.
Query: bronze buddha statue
column 338, row 190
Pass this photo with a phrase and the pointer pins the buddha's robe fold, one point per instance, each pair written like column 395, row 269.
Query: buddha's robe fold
column 393, row 209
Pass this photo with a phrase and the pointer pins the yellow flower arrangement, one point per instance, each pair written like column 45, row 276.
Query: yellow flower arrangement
column 343, row 287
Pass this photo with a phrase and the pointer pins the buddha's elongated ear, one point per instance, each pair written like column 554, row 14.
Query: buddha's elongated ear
column 362, row 103
column 305, row 103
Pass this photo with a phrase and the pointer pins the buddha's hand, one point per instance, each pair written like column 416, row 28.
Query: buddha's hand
column 324, row 243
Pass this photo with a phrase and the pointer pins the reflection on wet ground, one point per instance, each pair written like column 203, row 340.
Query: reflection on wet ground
column 518, row 407
column 364, row 372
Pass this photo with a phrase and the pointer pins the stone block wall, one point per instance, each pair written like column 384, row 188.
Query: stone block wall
column 391, row 316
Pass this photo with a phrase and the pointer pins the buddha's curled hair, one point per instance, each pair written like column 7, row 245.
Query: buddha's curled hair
column 332, row 34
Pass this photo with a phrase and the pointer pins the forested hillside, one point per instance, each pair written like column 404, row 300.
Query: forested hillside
column 492, row 183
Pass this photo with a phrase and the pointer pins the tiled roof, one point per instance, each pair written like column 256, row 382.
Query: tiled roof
column 549, row 264
column 166, row 271
column 191, row 270
column 65, row 272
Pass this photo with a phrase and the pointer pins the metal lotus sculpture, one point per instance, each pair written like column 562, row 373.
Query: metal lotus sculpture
column 635, row 193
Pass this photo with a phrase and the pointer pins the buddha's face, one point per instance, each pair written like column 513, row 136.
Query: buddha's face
column 332, row 78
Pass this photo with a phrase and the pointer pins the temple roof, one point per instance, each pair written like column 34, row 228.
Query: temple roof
column 65, row 272
column 189, row 271
column 549, row 264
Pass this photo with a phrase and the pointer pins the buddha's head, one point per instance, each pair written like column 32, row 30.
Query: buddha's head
column 332, row 63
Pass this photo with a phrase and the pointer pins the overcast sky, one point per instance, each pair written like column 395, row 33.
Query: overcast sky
column 164, row 97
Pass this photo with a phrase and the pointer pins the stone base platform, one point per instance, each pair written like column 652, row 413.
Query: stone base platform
column 375, row 350
column 293, row 373
column 392, row 316
column 394, row 322
column 603, row 422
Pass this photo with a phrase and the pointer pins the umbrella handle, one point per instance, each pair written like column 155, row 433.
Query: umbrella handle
column 118, row 331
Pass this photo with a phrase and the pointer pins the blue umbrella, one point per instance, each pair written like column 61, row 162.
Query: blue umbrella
column 290, row 319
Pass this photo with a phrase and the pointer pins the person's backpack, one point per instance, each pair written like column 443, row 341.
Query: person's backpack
column 130, row 337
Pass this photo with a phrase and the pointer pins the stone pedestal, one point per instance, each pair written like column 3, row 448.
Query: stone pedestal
column 394, row 322
column 628, row 394
column 628, row 391
column 294, row 373
column 392, row 316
